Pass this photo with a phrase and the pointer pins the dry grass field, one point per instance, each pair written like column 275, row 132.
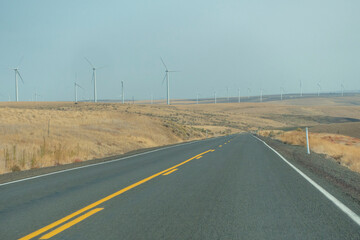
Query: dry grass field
column 344, row 149
column 34, row 135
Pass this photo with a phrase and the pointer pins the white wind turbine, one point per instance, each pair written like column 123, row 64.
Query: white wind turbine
column 17, row 73
column 215, row 97
column 36, row 95
column 239, row 95
column 167, row 77
column 282, row 90
column 319, row 88
column 261, row 93
column 122, row 93
column 249, row 90
column 342, row 89
column 300, row 88
column 227, row 94
column 94, row 77
column 76, row 86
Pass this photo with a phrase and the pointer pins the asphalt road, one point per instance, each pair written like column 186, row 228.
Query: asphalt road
column 231, row 187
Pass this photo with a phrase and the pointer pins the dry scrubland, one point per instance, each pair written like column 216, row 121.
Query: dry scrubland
column 344, row 149
column 34, row 135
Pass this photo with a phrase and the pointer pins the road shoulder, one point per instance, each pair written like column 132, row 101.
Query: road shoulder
column 325, row 170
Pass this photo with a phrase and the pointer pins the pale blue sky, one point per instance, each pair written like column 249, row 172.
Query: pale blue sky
column 215, row 44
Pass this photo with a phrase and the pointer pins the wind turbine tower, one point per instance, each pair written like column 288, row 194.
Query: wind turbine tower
column 76, row 95
column 36, row 95
column 17, row 73
column 239, row 94
column 122, row 92
column 261, row 92
column 319, row 88
column 281, row 93
column 167, row 77
column 94, row 77
column 300, row 88
column 342, row 89
column 227, row 93
column 215, row 97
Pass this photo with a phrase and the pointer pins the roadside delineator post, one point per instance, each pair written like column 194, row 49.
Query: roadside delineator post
column 307, row 141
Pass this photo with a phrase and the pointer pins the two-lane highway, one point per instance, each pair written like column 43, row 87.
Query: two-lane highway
column 232, row 187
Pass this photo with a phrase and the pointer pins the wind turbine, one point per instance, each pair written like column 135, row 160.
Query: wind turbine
column 197, row 98
column 300, row 88
column 167, row 77
column 76, row 85
column 227, row 93
column 239, row 94
column 342, row 89
column 249, row 90
column 17, row 73
column 261, row 92
column 319, row 88
column 36, row 95
column 122, row 92
column 282, row 90
column 215, row 97
column 94, row 77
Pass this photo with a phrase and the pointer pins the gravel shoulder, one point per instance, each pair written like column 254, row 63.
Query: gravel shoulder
column 325, row 170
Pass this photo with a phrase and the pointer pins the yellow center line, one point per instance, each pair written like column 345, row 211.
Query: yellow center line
column 169, row 172
column 70, row 224
column 64, row 219
column 220, row 145
column 199, row 157
column 224, row 143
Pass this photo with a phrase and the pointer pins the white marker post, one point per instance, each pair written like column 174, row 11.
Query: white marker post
column 307, row 141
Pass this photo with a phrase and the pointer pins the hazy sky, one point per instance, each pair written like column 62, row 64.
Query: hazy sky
column 215, row 44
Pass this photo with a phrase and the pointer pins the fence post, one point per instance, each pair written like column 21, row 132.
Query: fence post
column 307, row 141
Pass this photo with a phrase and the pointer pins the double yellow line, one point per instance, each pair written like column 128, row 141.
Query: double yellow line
column 97, row 203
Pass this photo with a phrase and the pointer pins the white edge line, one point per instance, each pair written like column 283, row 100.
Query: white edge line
column 110, row 161
column 339, row 204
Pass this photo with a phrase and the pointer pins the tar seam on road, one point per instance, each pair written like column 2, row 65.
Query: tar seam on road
column 96, row 164
column 70, row 216
column 334, row 200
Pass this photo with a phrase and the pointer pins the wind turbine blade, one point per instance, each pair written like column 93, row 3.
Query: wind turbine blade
column 173, row 71
column 20, row 76
column 89, row 62
column 105, row 66
column 20, row 61
column 163, row 63
column 164, row 79
column 80, row 86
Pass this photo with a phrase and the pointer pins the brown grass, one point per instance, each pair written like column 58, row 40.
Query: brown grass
column 34, row 135
column 344, row 149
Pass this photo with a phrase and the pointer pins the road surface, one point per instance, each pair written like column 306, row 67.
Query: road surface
column 232, row 187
